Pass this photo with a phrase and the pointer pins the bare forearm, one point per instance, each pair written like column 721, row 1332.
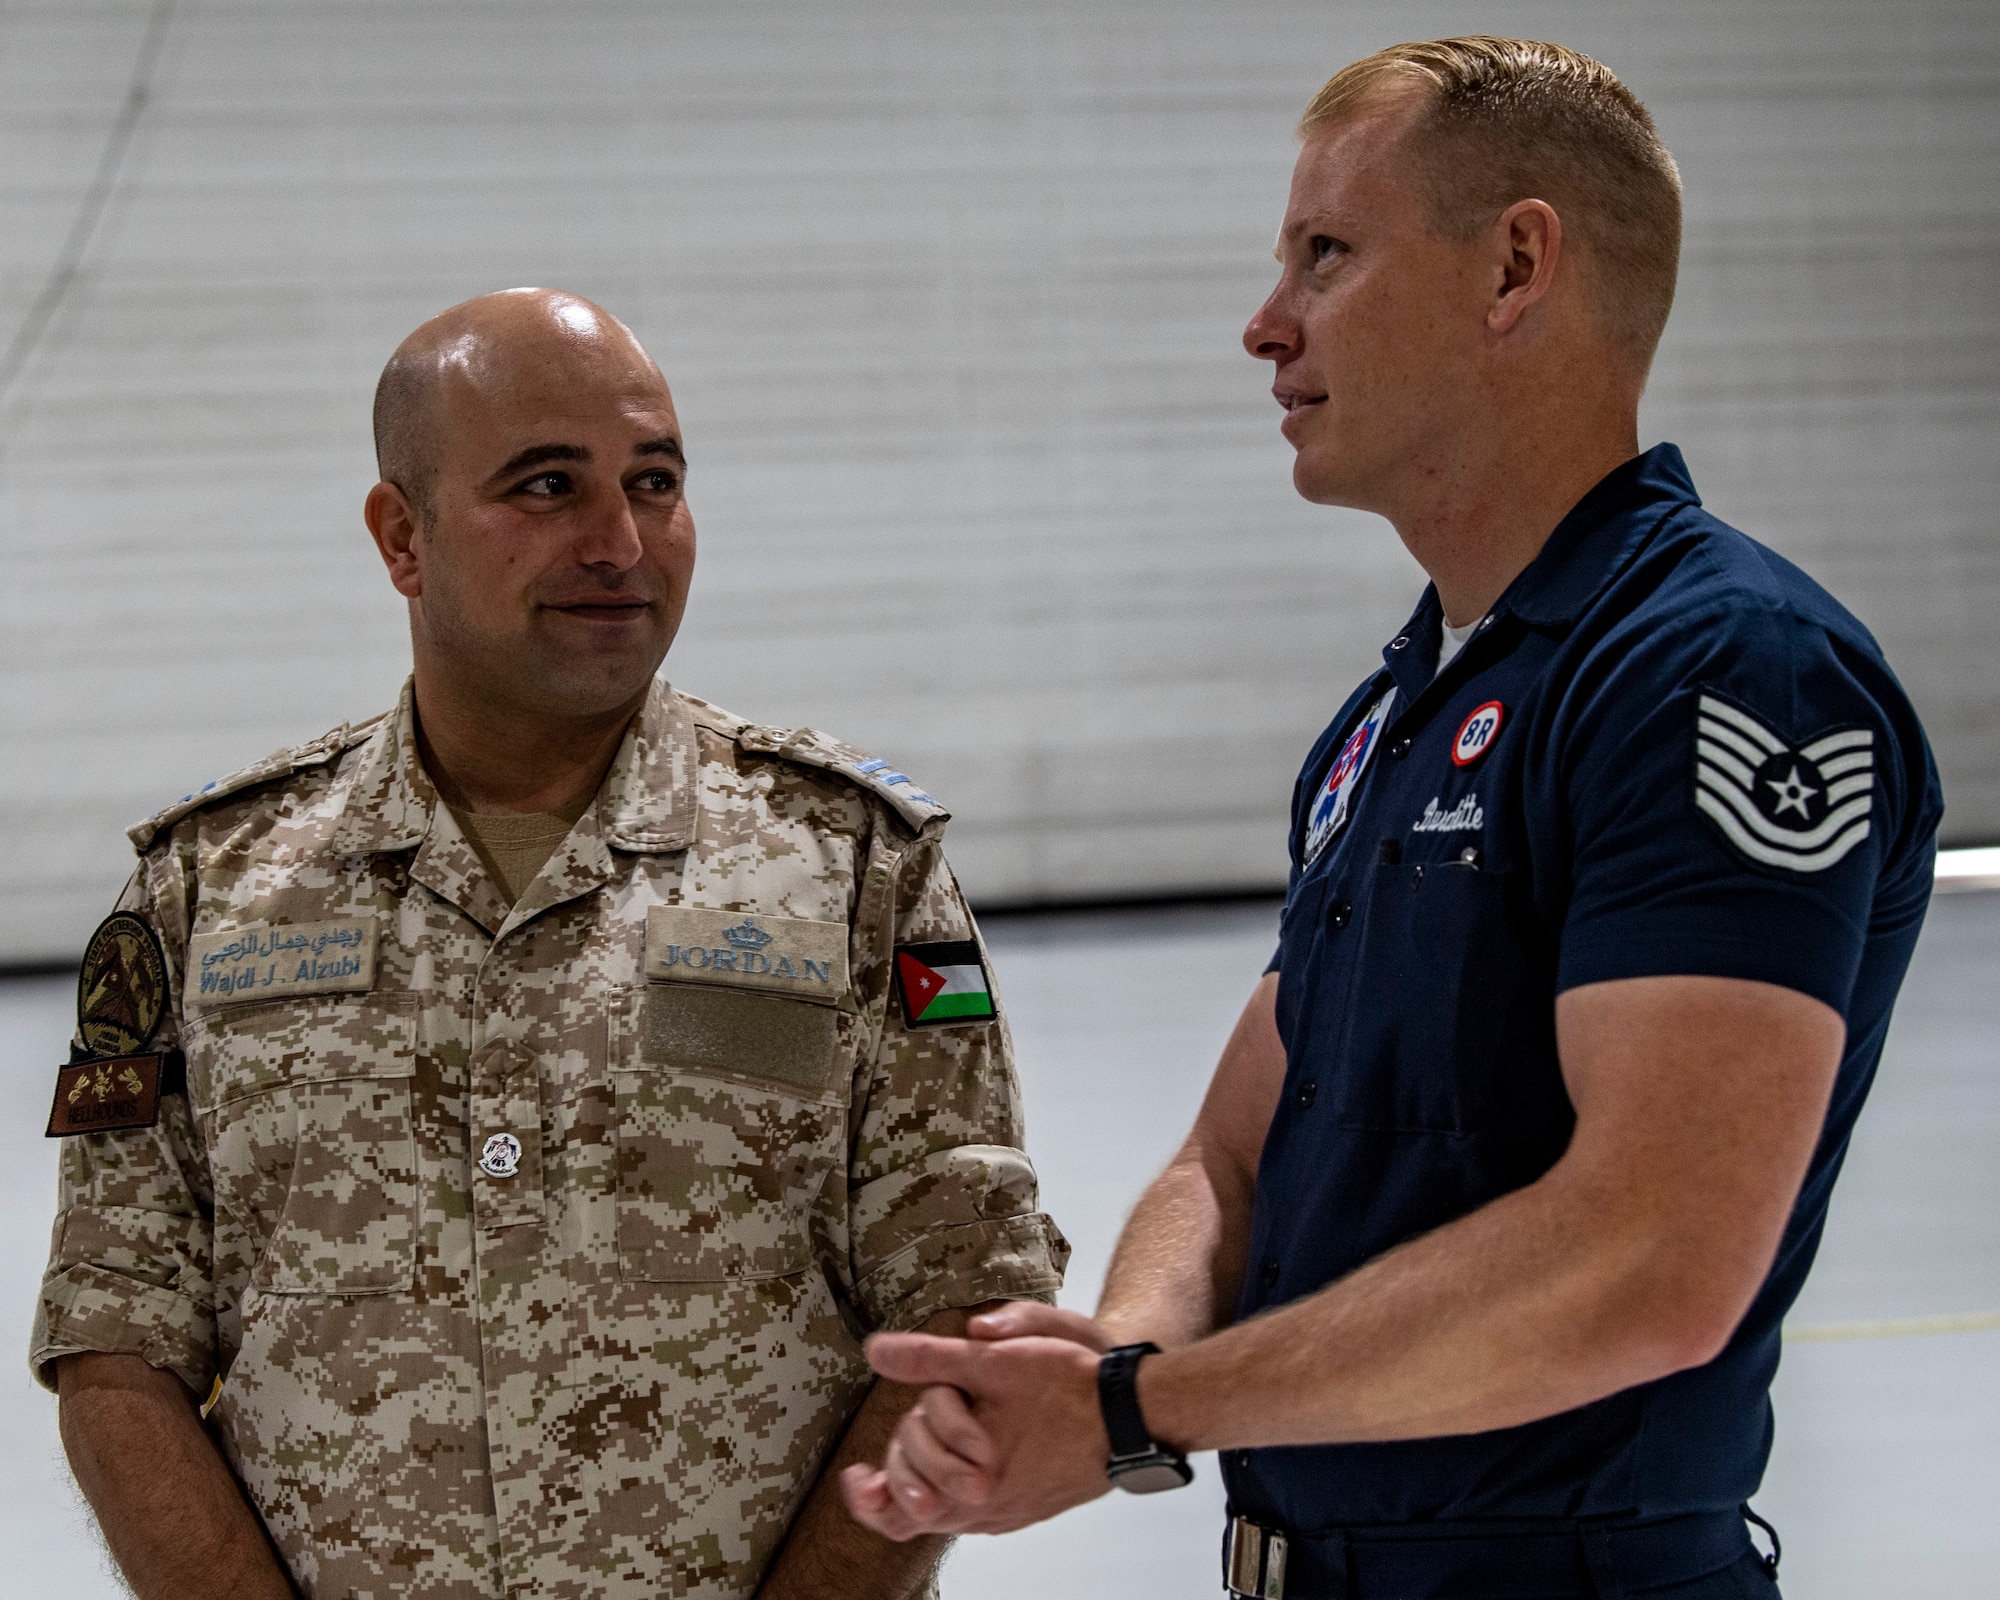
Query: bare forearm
column 1179, row 1263
column 171, row 1510
column 827, row 1555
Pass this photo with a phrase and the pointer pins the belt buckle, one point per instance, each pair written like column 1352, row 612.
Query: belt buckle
column 1254, row 1564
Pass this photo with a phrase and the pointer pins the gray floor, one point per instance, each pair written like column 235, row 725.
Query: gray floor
column 1887, row 1467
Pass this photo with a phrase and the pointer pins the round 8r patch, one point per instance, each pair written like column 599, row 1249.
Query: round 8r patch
column 121, row 992
column 1476, row 733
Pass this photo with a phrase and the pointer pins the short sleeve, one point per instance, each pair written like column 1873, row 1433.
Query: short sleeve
column 130, row 1258
column 1740, row 793
column 942, row 1199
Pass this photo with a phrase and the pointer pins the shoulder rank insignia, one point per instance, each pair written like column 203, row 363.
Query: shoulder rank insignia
column 944, row 982
column 121, row 992
column 1800, row 808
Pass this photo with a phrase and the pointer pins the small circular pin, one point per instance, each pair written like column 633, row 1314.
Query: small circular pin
column 500, row 1157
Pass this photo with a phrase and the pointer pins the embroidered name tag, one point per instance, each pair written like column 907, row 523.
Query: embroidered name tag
column 279, row 961
column 106, row 1096
column 793, row 956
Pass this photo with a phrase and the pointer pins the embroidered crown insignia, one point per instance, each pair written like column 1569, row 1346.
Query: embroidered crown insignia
column 746, row 935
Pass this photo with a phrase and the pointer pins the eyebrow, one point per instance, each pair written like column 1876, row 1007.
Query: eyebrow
column 536, row 454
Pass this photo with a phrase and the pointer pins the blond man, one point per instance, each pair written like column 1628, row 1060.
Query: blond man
column 1474, row 1264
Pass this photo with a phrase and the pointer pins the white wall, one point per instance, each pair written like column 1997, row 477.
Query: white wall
column 949, row 296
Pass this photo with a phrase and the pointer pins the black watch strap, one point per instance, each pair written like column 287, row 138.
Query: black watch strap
column 1118, row 1396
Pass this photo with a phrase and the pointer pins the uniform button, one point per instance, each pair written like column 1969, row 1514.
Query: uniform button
column 1416, row 877
column 1308, row 1093
column 1400, row 749
column 1470, row 855
column 1400, row 642
column 1243, row 1458
column 1340, row 914
column 1270, row 1274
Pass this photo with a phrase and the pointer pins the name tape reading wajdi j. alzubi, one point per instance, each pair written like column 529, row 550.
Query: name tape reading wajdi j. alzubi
column 279, row 961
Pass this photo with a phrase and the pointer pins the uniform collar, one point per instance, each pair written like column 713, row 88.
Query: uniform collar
column 1602, row 532
column 1589, row 547
column 646, row 803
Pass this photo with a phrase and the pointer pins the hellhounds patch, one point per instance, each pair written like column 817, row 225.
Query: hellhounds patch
column 944, row 982
column 1799, row 809
column 121, row 992
column 106, row 1096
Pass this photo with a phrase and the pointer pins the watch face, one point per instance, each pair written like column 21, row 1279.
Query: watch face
column 1151, row 1475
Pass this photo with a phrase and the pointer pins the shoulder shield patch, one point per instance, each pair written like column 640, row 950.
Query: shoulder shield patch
column 121, row 991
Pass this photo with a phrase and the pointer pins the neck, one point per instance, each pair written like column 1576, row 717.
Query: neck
column 496, row 759
column 1474, row 522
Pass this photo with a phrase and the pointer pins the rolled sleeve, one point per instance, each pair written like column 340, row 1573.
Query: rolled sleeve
column 130, row 1257
column 942, row 1198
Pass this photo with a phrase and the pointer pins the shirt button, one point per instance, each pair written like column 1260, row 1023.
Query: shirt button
column 1270, row 1274
column 1340, row 914
column 1400, row 749
column 1416, row 877
column 1400, row 642
column 1308, row 1093
column 1243, row 1458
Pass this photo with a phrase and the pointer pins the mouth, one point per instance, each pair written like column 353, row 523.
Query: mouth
column 603, row 611
column 1297, row 408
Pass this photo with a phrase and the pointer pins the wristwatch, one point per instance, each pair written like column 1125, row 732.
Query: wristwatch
column 1138, row 1465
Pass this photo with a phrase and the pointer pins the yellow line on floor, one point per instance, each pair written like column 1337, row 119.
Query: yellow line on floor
column 1900, row 1328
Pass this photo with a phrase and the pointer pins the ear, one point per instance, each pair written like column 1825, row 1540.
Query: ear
column 1527, row 241
column 398, row 533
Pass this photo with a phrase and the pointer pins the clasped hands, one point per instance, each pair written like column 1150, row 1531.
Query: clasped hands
column 1007, row 1431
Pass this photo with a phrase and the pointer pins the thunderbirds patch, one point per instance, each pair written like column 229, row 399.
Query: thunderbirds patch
column 1798, row 809
column 944, row 982
column 1336, row 797
column 121, row 993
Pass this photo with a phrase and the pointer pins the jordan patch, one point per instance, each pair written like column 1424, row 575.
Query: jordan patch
column 944, row 982
column 1800, row 809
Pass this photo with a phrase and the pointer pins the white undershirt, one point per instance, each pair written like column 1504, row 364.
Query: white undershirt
column 1453, row 642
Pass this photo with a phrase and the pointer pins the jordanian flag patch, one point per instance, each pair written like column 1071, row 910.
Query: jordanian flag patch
column 944, row 982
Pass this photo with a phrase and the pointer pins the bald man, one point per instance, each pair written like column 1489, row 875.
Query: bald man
column 510, row 1114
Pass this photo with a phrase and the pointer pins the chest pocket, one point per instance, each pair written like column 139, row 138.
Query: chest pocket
column 1444, row 1006
column 730, row 1115
column 305, row 1109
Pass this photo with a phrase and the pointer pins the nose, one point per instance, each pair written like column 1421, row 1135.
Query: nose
column 609, row 536
column 1273, row 333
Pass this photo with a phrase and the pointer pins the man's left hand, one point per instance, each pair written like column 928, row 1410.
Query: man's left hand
column 1006, row 1434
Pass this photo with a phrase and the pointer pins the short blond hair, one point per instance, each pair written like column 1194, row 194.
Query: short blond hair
column 1515, row 119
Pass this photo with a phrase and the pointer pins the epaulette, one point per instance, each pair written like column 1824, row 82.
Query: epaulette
column 279, row 764
column 811, row 748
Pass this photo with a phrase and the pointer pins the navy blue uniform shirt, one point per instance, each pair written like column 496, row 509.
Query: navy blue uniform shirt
column 1665, row 751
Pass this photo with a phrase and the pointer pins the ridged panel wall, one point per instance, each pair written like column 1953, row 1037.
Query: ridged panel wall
column 950, row 298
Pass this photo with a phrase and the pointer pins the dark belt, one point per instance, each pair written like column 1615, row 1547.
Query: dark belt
column 1489, row 1561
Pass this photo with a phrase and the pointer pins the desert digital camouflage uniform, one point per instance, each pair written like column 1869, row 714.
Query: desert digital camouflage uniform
column 616, row 1371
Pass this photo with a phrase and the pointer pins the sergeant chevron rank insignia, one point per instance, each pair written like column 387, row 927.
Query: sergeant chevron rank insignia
column 1800, row 809
column 944, row 982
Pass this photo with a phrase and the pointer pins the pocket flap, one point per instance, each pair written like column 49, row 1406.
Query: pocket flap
column 237, row 1051
column 761, row 1038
